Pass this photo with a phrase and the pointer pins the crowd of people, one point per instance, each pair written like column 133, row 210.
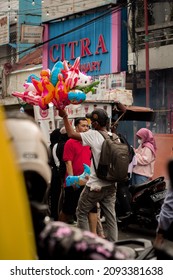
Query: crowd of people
column 84, row 145
column 80, row 206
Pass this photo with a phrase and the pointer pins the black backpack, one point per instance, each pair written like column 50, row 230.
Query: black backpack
column 130, row 148
column 114, row 159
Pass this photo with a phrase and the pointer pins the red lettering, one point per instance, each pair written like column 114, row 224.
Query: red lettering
column 99, row 64
column 101, row 44
column 93, row 66
column 85, row 43
column 53, row 49
column 63, row 52
column 60, row 51
column 72, row 46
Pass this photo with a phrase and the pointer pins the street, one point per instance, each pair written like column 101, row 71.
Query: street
column 134, row 231
column 134, row 237
column 135, row 240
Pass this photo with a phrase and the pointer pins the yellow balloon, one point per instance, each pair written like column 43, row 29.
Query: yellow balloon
column 17, row 240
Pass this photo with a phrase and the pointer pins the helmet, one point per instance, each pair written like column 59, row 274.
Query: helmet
column 99, row 115
column 30, row 147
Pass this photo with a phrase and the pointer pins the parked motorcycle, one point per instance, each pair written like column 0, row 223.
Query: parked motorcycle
column 140, row 204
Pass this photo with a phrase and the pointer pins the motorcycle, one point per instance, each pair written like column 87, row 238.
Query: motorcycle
column 140, row 204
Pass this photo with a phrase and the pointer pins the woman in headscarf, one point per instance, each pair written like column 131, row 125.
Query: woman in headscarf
column 145, row 155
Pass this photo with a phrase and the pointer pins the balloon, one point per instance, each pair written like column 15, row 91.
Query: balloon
column 61, row 95
column 71, row 75
column 83, row 80
column 61, row 86
column 76, row 96
column 56, row 70
column 80, row 180
column 29, row 87
column 38, row 84
column 30, row 98
column 32, row 76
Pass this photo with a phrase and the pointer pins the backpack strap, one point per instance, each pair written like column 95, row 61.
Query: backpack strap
column 107, row 135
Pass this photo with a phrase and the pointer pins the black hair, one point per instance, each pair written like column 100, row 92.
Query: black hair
column 99, row 115
column 77, row 120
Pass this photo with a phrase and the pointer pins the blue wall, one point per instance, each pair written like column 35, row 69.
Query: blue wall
column 30, row 15
column 91, row 31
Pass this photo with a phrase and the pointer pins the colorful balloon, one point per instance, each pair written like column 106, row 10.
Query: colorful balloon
column 61, row 86
column 76, row 96
column 80, row 180
column 56, row 70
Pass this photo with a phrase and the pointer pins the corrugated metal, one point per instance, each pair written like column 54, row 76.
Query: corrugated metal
column 66, row 7
column 29, row 60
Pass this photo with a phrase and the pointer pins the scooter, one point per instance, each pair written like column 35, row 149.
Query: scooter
column 140, row 204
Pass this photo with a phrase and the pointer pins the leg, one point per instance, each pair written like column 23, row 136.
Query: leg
column 55, row 190
column 92, row 218
column 66, row 213
column 86, row 202
column 107, row 203
column 100, row 230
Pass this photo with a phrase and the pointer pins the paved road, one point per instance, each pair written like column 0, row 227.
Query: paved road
column 134, row 231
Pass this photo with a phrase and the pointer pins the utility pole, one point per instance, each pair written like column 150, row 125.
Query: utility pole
column 147, row 54
column 133, row 3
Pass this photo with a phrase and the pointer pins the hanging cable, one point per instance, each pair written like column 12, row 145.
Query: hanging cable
column 100, row 17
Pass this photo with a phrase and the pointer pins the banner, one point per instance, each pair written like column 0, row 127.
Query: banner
column 45, row 119
column 4, row 30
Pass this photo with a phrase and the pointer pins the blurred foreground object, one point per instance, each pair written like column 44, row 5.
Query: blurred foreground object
column 16, row 235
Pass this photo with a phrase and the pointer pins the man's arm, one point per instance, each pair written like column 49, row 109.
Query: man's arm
column 165, row 218
column 69, row 167
column 69, row 129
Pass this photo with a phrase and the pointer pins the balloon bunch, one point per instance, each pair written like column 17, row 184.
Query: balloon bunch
column 80, row 180
column 62, row 86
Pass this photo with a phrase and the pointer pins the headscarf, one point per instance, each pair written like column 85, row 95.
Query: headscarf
column 147, row 139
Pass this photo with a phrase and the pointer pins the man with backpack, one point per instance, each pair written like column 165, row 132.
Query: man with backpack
column 96, row 190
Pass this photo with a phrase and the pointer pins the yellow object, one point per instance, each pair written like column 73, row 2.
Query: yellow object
column 16, row 232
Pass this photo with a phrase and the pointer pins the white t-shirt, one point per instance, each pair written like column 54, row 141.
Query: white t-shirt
column 95, row 140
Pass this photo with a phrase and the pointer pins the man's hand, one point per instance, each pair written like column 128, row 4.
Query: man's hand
column 159, row 240
column 62, row 113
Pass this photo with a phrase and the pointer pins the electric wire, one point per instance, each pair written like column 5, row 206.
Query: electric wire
column 107, row 13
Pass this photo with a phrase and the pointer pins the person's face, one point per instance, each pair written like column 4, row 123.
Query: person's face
column 139, row 141
column 83, row 126
column 94, row 124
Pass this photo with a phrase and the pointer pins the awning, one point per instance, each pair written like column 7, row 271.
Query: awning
column 133, row 113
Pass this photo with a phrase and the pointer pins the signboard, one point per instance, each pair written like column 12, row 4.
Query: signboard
column 45, row 120
column 97, row 45
column 31, row 34
column 4, row 30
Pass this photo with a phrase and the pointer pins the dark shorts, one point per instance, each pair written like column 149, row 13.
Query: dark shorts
column 71, row 198
column 70, row 202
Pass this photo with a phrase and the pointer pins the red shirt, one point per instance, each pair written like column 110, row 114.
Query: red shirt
column 78, row 154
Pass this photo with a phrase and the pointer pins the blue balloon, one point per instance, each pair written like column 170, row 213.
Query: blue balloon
column 55, row 71
column 76, row 97
column 75, row 180
column 29, row 80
